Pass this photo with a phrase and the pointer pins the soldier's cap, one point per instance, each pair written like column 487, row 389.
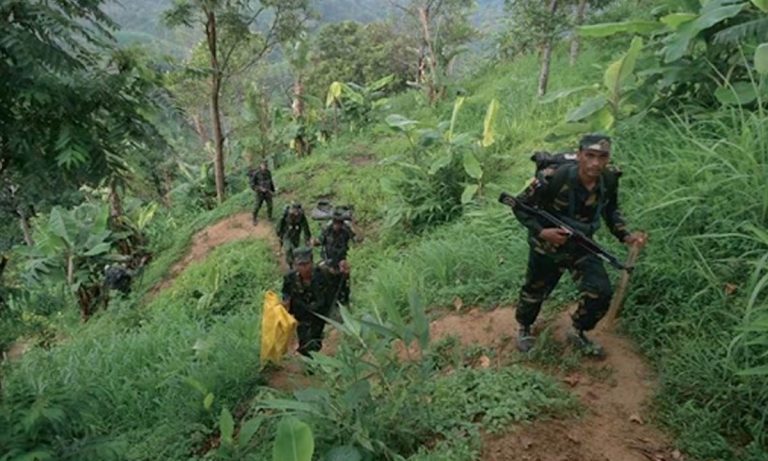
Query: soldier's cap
column 596, row 142
column 296, row 206
column 302, row 255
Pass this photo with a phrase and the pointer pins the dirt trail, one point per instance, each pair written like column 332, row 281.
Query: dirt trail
column 615, row 393
column 231, row 229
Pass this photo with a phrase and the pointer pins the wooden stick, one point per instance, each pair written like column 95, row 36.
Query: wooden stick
column 617, row 301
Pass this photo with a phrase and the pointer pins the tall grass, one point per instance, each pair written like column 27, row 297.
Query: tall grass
column 130, row 384
column 700, row 186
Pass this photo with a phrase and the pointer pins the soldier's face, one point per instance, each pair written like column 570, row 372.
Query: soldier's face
column 337, row 225
column 304, row 268
column 263, row 166
column 592, row 163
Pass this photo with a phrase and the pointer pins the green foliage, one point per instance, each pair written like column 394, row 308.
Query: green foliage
column 696, row 52
column 165, row 359
column 358, row 103
column 529, row 23
column 293, row 442
column 706, row 336
column 444, row 171
column 353, row 52
column 615, row 100
column 75, row 109
column 380, row 397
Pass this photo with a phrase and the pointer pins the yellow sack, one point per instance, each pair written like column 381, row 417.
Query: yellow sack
column 277, row 329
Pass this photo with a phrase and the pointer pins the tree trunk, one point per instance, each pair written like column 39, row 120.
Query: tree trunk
column 434, row 90
column 546, row 55
column 115, row 203
column 218, row 160
column 200, row 129
column 26, row 229
column 299, row 142
column 581, row 11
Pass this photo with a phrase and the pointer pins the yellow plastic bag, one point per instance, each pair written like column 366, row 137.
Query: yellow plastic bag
column 277, row 329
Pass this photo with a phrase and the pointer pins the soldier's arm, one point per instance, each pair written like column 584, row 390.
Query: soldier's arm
column 286, row 292
column 533, row 195
column 281, row 226
column 613, row 216
column 305, row 229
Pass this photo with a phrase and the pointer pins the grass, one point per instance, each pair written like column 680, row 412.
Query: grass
column 114, row 384
column 696, row 183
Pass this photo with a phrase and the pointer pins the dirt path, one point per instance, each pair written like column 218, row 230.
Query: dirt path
column 231, row 229
column 615, row 393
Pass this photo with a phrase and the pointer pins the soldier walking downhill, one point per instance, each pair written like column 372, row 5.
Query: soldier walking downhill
column 579, row 194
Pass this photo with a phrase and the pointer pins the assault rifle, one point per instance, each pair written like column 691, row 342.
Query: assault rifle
column 575, row 236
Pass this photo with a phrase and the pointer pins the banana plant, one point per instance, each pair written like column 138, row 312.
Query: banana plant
column 686, row 49
column 611, row 101
column 72, row 246
column 358, row 102
column 437, row 147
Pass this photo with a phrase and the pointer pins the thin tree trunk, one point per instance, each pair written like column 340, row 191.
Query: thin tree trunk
column 202, row 131
column 433, row 89
column 218, row 160
column 115, row 203
column 26, row 229
column 581, row 12
column 546, row 55
column 299, row 143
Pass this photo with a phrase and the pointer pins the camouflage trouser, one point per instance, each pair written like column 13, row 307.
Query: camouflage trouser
column 310, row 333
column 289, row 244
column 262, row 197
column 545, row 270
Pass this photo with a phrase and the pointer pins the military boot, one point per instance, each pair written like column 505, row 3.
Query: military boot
column 587, row 346
column 525, row 339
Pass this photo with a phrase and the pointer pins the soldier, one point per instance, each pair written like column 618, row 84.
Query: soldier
column 334, row 244
column 291, row 226
column 578, row 193
column 118, row 277
column 261, row 183
column 307, row 291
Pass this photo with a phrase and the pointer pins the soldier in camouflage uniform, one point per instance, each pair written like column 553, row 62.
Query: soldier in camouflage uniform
column 261, row 183
column 579, row 194
column 292, row 225
column 334, row 244
column 309, row 290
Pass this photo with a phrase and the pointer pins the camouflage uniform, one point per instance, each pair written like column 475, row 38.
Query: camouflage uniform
column 334, row 248
column 292, row 225
column 560, row 192
column 305, row 299
column 261, row 183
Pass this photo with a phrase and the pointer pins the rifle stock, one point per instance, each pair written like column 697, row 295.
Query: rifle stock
column 576, row 236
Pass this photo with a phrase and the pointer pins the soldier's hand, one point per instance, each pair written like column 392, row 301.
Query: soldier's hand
column 344, row 266
column 555, row 235
column 636, row 239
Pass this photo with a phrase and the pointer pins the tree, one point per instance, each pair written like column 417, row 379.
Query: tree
column 72, row 106
column 444, row 29
column 250, row 28
column 298, row 57
column 534, row 25
column 363, row 53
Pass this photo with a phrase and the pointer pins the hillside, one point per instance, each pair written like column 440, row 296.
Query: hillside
column 422, row 363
